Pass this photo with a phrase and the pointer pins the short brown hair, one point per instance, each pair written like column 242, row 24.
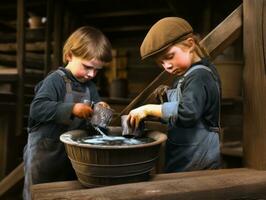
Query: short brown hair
column 87, row 43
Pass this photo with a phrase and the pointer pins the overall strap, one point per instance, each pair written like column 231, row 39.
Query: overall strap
column 215, row 129
column 66, row 79
column 195, row 68
column 89, row 96
column 69, row 87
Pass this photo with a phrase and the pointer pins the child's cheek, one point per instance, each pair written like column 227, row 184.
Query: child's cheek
column 79, row 74
column 184, row 63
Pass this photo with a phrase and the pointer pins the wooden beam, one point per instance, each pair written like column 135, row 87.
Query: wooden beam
column 264, row 31
column 20, row 65
column 224, row 34
column 12, row 6
column 207, row 185
column 48, row 36
column 124, row 13
column 254, row 78
column 215, row 42
column 3, row 143
column 14, row 177
column 30, row 57
column 35, row 35
column 33, row 46
column 7, row 25
column 76, row 185
column 58, row 31
column 55, row 187
column 32, row 35
column 32, row 60
column 8, row 74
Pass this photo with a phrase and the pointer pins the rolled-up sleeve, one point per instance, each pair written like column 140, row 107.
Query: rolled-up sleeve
column 170, row 112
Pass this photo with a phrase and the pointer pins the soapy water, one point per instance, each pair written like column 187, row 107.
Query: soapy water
column 101, row 138
column 113, row 140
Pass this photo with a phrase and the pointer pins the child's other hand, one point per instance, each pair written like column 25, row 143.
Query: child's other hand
column 136, row 115
column 160, row 93
column 82, row 110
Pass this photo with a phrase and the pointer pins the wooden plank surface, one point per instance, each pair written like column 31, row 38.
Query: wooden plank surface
column 232, row 149
column 12, row 47
column 76, row 185
column 55, row 187
column 8, row 74
column 211, row 184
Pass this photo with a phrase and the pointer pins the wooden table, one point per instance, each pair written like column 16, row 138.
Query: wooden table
column 209, row 184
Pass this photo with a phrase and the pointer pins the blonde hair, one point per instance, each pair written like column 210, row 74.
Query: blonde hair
column 87, row 43
column 199, row 49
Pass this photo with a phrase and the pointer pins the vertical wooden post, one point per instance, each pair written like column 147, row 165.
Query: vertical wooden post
column 58, row 30
column 254, row 130
column 264, row 32
column 20, row 64
column 67, row 24
column 48, row 36
column 3, row 144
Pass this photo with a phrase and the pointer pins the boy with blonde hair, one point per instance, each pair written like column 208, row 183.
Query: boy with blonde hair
column 59, row 106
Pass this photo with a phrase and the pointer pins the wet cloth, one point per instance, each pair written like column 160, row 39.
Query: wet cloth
column 45, row 159
column 192, row 113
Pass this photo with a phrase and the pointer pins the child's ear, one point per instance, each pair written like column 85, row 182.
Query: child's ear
column 191, row 43
column 69, row 56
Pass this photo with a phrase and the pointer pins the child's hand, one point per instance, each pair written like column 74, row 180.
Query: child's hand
column 82, row 110
column 136, row 115
column 104, row 104
column 160, row 93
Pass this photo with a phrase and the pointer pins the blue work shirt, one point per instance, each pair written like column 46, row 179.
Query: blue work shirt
column 191, row 116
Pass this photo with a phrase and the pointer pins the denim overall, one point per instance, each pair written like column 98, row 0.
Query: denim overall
column 192, row 148
column 45, row 159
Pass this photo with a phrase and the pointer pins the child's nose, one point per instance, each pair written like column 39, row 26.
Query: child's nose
column 167, row 65
column 92, row 73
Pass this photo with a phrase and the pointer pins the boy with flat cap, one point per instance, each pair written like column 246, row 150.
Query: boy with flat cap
column 192, row 106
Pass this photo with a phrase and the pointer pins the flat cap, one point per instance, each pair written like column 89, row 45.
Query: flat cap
column 163, row 34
